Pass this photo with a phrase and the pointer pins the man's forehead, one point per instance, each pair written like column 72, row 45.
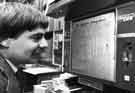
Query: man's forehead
column 38, row 30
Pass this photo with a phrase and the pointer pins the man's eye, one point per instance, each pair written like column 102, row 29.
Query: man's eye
column 37, row 37
column 48, row 35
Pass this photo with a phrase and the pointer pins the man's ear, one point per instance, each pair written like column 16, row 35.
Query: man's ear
column 7, row 42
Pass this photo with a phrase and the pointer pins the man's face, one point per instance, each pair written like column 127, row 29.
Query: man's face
column 30, row 47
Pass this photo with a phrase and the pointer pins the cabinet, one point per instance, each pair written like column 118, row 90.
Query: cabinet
column 61, row 52
column 58, row 42
column 67, row 46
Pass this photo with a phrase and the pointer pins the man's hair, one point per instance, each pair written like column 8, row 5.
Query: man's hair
column 17, row 17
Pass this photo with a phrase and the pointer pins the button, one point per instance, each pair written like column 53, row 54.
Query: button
column 126, row 78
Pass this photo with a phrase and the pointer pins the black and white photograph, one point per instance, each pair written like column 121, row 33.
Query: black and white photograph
column 67, row 46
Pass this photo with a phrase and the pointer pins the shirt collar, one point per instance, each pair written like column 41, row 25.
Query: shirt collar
column 13, row 67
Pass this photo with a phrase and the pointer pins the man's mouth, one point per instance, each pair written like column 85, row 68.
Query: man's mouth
column 41, row 54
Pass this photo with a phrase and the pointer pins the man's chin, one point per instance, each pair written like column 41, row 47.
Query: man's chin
column 34, row 61
column 38, row 60
column 48, row 60
column 40, row 57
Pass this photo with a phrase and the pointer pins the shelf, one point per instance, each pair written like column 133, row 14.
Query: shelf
column 60, row 30
column 67, row 40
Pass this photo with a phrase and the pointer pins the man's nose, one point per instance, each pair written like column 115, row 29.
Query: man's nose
column 43, row 43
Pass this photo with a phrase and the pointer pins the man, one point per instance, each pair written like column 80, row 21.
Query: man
column 24, row 39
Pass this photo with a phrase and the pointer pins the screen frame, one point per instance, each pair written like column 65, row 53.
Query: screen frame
column 83, row 18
